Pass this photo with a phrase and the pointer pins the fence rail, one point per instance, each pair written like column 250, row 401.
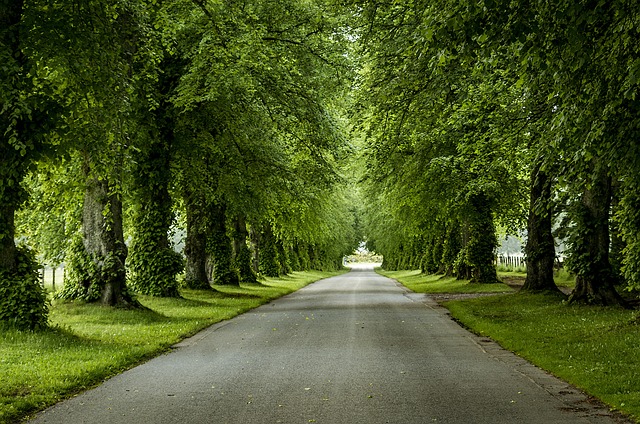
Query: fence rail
column 511, row 261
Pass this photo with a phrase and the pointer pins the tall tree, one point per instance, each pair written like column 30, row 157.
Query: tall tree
column 27, row 112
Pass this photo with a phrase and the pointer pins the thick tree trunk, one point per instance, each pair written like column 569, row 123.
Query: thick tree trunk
column 219, row 246
column 461, row 267
column 482, row 241
column 540, row 248
column 255, row 242
column 153, row 262
column 451, row 249
column 241, row 253
column 302, row 252
column 195, row 248
column 590, row 250
column 269, row 265
column 103, row 241
column 11, row 164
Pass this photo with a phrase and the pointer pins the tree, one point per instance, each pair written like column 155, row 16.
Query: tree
column 27, row 113
column 102, row 35
column 436, row 112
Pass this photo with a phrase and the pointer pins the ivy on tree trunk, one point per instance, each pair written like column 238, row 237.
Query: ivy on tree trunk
column 269, row 264
column 153, row 262
column 22, row 299
column 241, row 253
column 97, row 268
column 540, row 248
column 482, row 240
column 219, row 247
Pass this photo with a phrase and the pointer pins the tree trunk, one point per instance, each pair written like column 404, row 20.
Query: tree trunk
column 153, row 262
column 269, row 265
column 12, row 166
column 255, row 242
column 540, row 248
column 450, row 250
column 195, row 248
column 241, row 253
column 103, row 241
column 482, row 241
column 219, row 246
column 461, row 266
column 590, row 250
column 302, row 252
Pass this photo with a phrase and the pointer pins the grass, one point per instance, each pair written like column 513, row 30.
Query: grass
column 89, row 343
column 594, row 348
column 421, row 283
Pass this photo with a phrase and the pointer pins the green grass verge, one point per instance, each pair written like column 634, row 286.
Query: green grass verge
column 88, row 343
column 421, row 283
column 594, row 348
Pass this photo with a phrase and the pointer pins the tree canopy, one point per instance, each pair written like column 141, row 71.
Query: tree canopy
column 244, row 126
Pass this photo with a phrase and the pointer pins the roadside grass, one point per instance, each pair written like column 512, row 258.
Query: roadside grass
column 435, row 283
column 421, row 283
column 594, row 348
column 89, row 343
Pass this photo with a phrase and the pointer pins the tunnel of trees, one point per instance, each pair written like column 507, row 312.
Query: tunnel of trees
column 276, row 135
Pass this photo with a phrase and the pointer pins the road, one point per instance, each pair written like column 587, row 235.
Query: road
column 357, row 348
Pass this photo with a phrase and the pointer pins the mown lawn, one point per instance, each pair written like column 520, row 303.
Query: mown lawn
column 421, row 283
column 88, row 343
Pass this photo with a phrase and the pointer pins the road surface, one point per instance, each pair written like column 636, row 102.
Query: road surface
column 357, row 348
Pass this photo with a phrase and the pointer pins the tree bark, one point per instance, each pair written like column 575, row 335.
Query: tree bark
column 103, row 241
column 195, row 248
column 241, row 253
column 590, row 250
column 219, row 246
column 269, row 265
column 540, row 247
column 255, row 242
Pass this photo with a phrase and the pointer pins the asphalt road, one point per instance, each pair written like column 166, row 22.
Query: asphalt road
column 357, row 348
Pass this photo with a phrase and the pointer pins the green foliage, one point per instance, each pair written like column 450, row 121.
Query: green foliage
column 482, row 241
column 52, row 214
column 629, row 218
column 269, row 264
column 152, row 263
column 219, row 247
column 154, row 270
column 23, row 300
column 242, row 262
column 81, row 269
